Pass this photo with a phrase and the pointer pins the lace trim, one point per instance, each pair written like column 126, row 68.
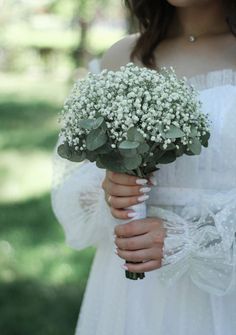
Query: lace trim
column 213, row 79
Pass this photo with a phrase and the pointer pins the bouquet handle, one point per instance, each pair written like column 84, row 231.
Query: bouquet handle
column 140, row 211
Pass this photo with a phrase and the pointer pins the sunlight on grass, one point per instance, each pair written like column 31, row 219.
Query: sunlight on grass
column 33, row 86
column 24, row 174
column 100, row 38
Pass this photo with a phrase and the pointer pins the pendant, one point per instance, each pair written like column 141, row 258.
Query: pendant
column 192, row 38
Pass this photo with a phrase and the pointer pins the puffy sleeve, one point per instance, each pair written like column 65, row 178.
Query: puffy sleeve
column 201, row 243
column 79, row 204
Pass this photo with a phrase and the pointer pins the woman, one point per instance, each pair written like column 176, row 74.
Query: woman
column 186, row 246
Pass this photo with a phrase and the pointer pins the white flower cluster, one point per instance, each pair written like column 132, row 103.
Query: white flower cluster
column 149, row 100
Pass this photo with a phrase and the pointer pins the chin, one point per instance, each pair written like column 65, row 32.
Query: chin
column 188, row 3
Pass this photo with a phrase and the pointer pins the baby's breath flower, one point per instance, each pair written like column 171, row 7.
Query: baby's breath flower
column 151, row 101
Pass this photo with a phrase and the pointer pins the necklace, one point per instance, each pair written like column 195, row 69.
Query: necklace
column 192, row 38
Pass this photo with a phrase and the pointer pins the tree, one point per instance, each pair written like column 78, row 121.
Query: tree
column 83, row 13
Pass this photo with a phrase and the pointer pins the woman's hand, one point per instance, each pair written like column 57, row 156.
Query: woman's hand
column 141, row 240
column 123, row 190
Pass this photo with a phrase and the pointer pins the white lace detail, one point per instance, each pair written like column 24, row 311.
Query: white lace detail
column 201, row 240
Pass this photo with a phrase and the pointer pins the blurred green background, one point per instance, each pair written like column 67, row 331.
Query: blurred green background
column 44, row 46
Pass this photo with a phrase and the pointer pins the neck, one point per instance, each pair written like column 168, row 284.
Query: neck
column 200, row 20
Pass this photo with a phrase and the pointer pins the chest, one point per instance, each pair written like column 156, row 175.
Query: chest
column 202, row 56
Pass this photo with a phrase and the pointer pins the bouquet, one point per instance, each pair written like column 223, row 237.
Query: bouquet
column 131, row 120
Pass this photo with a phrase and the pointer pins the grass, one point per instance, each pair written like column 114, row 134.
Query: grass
column 42, row 280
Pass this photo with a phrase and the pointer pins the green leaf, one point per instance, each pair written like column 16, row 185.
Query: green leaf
column 99, row 163
column 179, row 152
column 91, row 156
column 195, row 147
column 189, row 153
column 113, row 162
column 158, row 153
column 128, row 152
column 128, row 145
column 143, row 148
column 204, row 139
column 105, row 149
column 149, row 169
column 173, row 132
column 132, row 163
column 98, row 122
column 91, row 123
column 64, row 150
column 77, row 156
column 95, row 139
column 170, row 146
column 134, row 135
column 193, row 131
column 86, row 123
column 167, row 158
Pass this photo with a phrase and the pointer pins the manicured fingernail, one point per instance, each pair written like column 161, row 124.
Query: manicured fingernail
column 153, row 180
column 124, row 267
column 143, row 198
column 145, row 189
column 141, row 181
column 131, row 214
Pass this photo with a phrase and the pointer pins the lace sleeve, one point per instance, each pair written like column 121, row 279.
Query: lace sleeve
column 201, row 243
column 79, row 204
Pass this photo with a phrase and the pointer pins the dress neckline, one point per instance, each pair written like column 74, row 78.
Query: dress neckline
column 215, row 78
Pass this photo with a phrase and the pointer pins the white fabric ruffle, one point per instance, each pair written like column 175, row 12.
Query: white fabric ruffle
column 200, row 241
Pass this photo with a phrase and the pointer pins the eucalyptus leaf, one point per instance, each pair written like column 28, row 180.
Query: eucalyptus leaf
column 86, row 123
column 128, row 145
column 170, row 146
column 188, row 152
column 158, row 153
column 91, row 155
column 143, row 148
column 91, row 123
column 99, row 163
column 95, row 139
column 132, row 163
column 195, row 147
column 77, row 156
column 173, row 132
column 113, row 162
column 134, row 135
column 98, row 122
column 204, row 139
column 168, row 157
column 179, row 152
column 149, row 169
column 128, row 152
column 194, row 131
column 64, row 150
column 105, row 149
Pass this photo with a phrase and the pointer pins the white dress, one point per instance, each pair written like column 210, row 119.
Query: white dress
column 195, row 290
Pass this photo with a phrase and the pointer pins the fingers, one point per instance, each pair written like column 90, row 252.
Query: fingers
column 121, row 214
column 132, row 228
column 140, row 255
column 138, row 227
column 125, row 179
column 126, row 191
column 144, row 267
column 133, row 243
column 124, row 202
